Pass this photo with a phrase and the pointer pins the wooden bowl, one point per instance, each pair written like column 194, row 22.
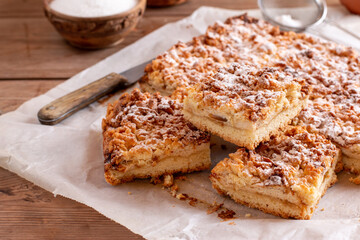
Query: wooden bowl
column 95, row 32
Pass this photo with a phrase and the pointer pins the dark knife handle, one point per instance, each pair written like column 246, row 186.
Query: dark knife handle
column 63, row 107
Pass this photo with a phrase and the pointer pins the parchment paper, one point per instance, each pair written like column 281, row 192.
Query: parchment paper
column 66, row 159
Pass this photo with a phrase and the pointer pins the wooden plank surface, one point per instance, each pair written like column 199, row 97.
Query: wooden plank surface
column 34, row 59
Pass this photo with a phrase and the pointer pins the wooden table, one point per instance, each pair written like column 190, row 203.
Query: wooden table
column 34, row 59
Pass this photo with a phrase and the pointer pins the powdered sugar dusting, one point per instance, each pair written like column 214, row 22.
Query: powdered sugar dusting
column 140, row 122
column 331, row 69
column 296, row 157
column 249, row 90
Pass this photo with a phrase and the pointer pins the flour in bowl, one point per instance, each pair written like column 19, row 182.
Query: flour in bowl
column 92, row 8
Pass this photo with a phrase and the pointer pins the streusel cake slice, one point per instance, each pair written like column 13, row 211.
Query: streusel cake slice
column 244, row 105
column 147, row 136
column 285, row 176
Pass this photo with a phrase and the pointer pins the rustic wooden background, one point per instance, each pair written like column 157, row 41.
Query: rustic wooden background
column 34, row 59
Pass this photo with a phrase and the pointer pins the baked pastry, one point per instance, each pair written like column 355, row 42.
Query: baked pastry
column 181, row 65
column 339, row 123
column 146, row 135
column 331, row 69
column 285, row 176
column 244, row 105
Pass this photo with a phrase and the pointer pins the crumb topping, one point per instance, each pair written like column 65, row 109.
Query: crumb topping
column 332, row 70
column 183, row 64
column 339, row 123
column 355, row 180
column 295, row 158
column 141, row 123
column 255, row 93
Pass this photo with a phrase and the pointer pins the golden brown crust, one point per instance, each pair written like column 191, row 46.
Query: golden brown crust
column 253, row 92
column 331, row 69
column 140, row 128
column 111, row 179
column 304, row 214
column 293, row 169
column 294, row 157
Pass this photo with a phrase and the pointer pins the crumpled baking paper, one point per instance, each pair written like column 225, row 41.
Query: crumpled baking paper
column 67, row 159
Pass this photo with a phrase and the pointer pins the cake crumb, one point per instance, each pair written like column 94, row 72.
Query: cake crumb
column 174, row 189
column 168, row 180
column 232, row 223
column 355, row 180
column 155, row 180
column 192, row 201
column 214, row 207
column 247, row 215
column 129, row 193
column 226, row 215
column 180, row 196
column 322, row 209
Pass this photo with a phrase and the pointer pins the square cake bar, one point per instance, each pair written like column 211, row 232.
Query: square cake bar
column 285, row 176
column 244, row 105
column 146, row 135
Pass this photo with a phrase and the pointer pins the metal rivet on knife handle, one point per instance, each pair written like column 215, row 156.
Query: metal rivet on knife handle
column 63, row 107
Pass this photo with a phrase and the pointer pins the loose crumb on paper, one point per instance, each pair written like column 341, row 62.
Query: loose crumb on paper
column 322, row 209
column 355, row 180
column 168, row 181
column 155, row 180
column 226, row 214
column 232, row 223
column 129, row 193
column 247, row 215
column 180, row 196
column 214, row 207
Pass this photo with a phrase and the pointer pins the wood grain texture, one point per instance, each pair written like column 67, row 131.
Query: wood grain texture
column 33, row 59
column 38, row 51
column 29, row 212
column 65, row 106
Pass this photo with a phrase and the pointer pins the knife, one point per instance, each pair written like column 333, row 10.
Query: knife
column 65, row 106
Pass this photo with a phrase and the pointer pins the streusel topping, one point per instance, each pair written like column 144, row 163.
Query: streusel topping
column 141, row 122
column 184, row 64
column 255, row 93
column 293, row 158
column 332, row 70
column 339, row 123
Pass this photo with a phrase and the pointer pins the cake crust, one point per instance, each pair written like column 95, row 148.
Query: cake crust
column 331, row 69
column 143, row 134
column 245, row 105
column 285, row 176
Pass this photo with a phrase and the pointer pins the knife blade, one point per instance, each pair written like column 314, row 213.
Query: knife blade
column 65, row 106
